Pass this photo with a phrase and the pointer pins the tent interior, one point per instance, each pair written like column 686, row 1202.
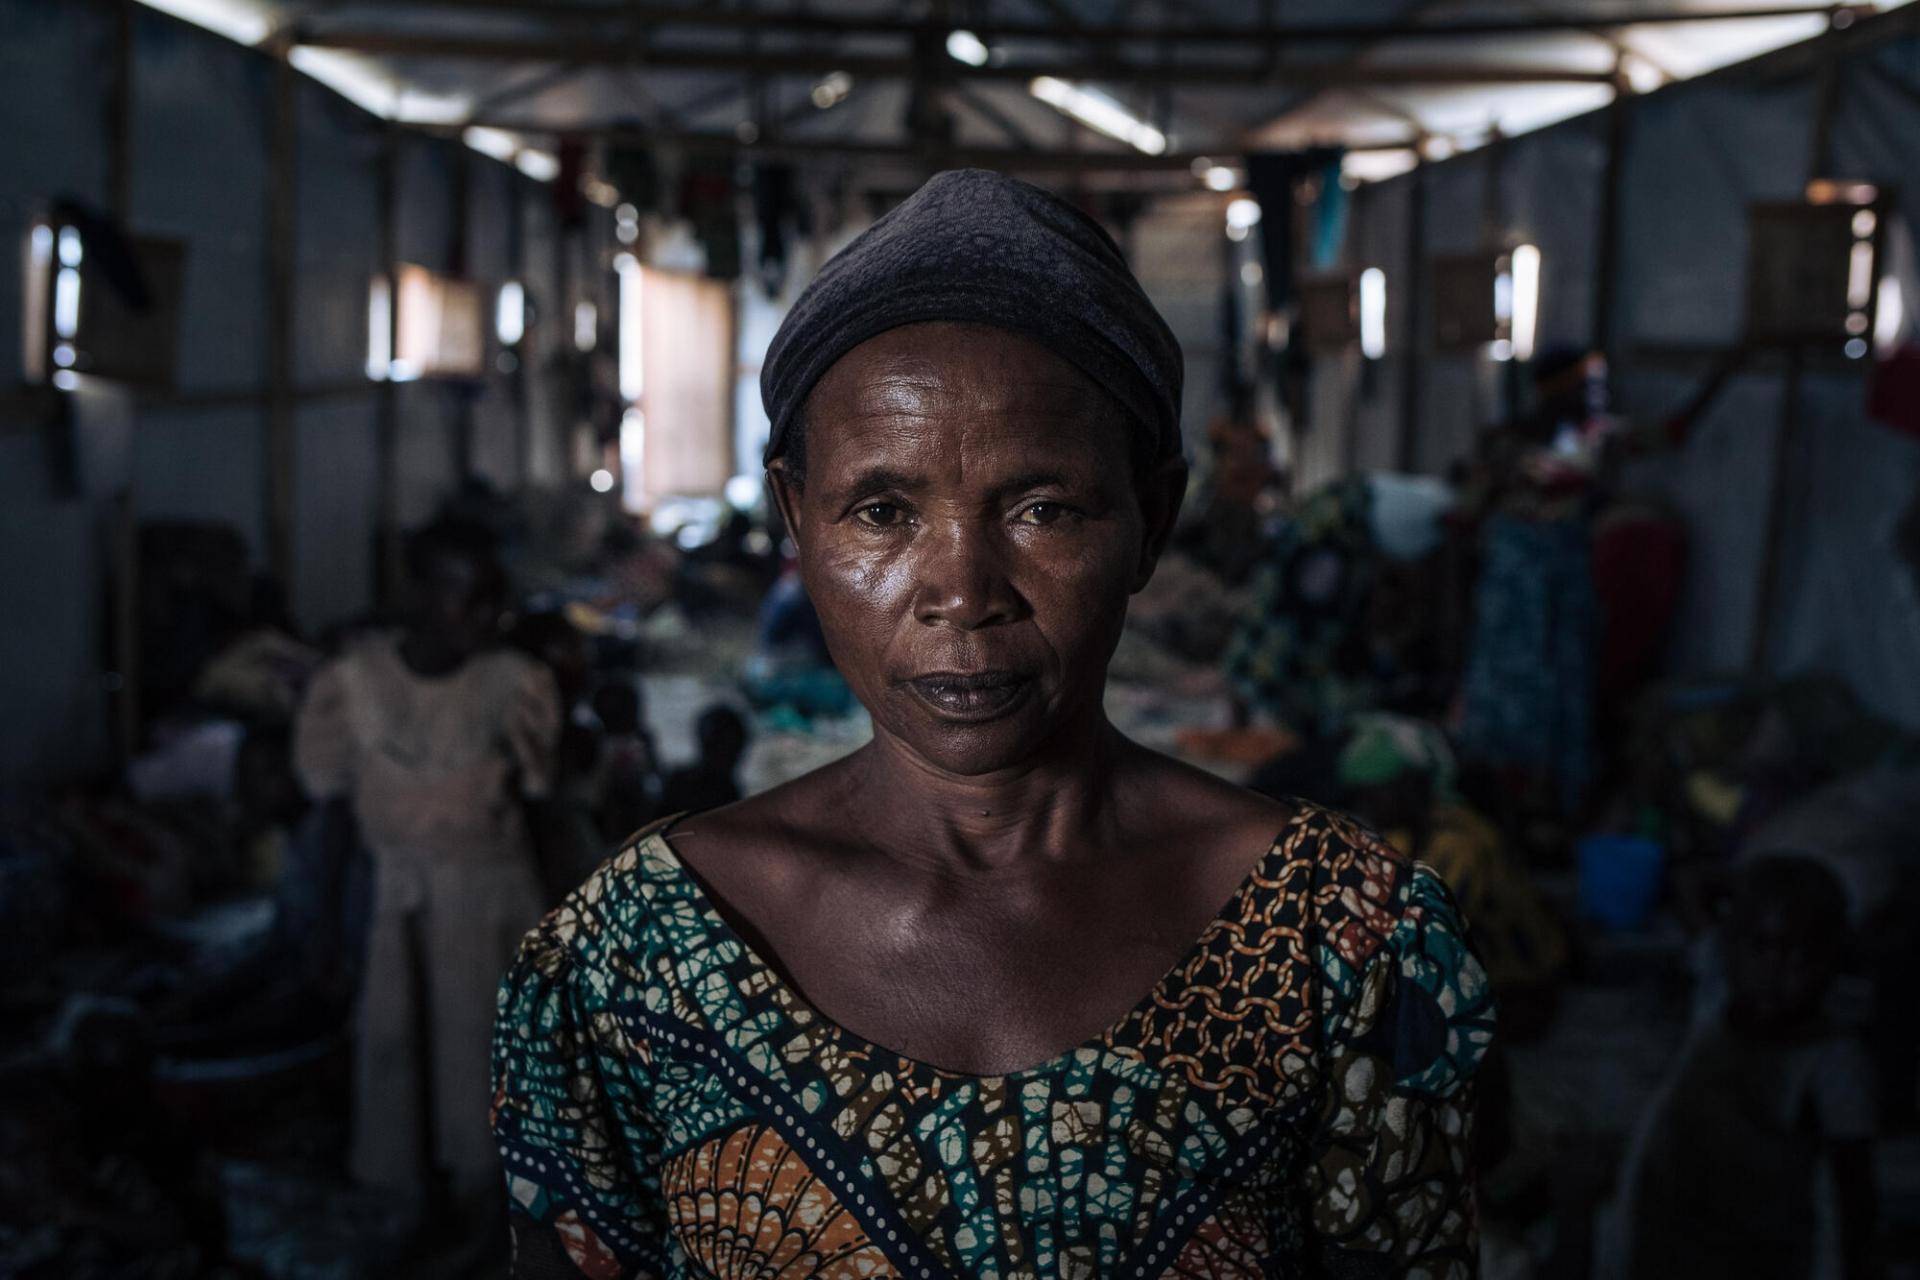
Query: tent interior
column 1552, row 399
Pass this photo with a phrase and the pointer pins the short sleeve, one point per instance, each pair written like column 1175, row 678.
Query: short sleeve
column 533, row 729
column 582, row 1201
column 1406, row 1020
column 1843, row 1093
column 323, row 750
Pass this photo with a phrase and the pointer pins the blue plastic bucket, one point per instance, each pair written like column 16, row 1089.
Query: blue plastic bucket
column 1620, row 878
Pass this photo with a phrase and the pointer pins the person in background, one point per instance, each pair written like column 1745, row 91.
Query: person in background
column 1724, row 1177
column 546, row 636
column 268, row 802
column 438, row 737
column 566, row 842
column 1398, row 773
column 712, row 781
column 628, row 780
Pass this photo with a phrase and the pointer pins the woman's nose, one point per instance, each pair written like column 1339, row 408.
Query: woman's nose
column 962, row 579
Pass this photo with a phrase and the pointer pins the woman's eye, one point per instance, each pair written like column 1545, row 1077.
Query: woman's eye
column 1042, row 513
column 879, row 515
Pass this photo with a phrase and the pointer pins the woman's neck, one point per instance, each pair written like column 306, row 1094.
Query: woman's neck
column 1051, row 809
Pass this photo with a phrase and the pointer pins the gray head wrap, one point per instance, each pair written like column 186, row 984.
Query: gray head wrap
column 979, row 247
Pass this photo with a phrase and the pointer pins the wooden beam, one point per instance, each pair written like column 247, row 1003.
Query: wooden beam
column 984, row 107
column 810, row 62
column 577, row 13
column 537, row 83
column 1008, row 159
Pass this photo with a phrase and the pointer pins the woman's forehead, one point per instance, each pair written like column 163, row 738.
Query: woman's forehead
column 949, row 376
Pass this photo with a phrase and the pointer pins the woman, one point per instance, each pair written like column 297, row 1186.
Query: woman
column 888, row 1019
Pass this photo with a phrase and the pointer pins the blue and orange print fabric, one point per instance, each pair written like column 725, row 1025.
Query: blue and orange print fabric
column 1292, row 1099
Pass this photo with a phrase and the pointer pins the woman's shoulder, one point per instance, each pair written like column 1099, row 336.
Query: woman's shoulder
column 1391, row 949
column 507, row 667
column 611, row 912
column 1328, row 854
column 1363, row 892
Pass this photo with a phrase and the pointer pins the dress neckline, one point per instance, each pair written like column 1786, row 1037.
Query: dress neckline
column 772, row 978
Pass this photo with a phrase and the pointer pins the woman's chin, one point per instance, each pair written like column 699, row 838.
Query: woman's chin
column 971, row 742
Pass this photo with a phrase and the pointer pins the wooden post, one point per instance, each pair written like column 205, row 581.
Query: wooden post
column 1786, row 436
column 282, row 208
column 1494, row 229
column 386, row 540
column 1786, row 478
column 120, row 115
column 1606, row 265
column 122, row 536
column 1414, row 291
column 560, row 360
column 458, row 262
column 517, row 381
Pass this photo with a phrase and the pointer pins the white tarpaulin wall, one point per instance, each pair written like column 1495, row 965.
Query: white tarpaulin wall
column 1697, row 155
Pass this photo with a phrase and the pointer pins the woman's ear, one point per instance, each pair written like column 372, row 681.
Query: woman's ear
column 786, row 497
column 1161, row 493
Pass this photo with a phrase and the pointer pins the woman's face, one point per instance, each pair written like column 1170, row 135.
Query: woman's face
column 970, row 529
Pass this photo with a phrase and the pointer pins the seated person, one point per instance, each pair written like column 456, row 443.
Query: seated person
column 1723, row 1177
column 1398, row 773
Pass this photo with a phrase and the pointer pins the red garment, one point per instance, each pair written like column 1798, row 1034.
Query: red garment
column 1893, row 392
column 1639, row 567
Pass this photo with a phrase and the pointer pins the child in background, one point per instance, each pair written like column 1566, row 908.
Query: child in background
column 629, row 767
column 564, row 837
column 438, row 738
column 1725, row 1174
column 711, row 782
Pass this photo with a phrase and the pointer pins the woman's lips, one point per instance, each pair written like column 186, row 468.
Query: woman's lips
column 971, row 695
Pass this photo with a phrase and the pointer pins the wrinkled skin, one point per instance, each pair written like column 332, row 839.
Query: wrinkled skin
column 999, row 875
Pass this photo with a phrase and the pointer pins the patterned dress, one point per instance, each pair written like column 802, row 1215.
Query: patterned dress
column 1291, row 1099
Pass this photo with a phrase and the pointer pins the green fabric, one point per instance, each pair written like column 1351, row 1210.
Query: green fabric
column 1291, row 1099
column 1386, row 748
